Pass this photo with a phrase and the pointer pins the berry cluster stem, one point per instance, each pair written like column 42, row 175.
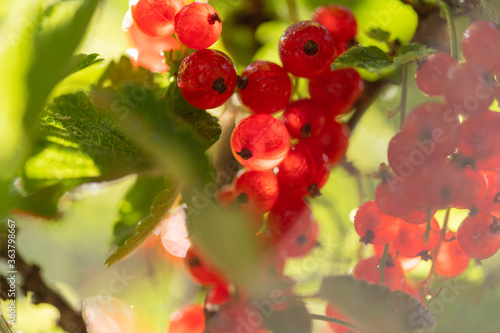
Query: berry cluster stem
column 404, row 96
column 383, row 262
column 336, row 321
column 292, row 10
column 452, row 31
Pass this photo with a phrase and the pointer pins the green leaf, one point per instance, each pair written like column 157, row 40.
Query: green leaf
column 158, row 211
column 294, row 319
column 373, row 59
column 376, row 307
column 378, row 34
column 82, row 61
column 136, row 206
column 123, row 72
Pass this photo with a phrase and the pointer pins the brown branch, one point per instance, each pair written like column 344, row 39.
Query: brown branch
column 70, row 320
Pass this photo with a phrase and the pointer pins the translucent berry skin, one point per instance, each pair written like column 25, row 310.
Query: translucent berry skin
column 467, row 89
column 373, row 226
column 430, row 75
column 484, row 36
column 207, row 78
column 304, row 171
column 200, row 271
column 304, row 118
column 197, row 25
column 256, row 190
column 339, row 90
column 451, row 260
column 366, row 269
column 479, row 137
column 260, row 142
column 333, row 311
column 339, row 20
column 474, row 189
column 479, row 236
column 265, row 87
column 491, row 202
column 412, row 239
column 188, row 319
column 156, row 17
column 333, row 140
column 218, row 295
column 440, row 185
column 307, row 49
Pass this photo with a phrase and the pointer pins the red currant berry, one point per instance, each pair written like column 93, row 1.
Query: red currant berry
column 430, row 75
column 233, row 317
column 484, row 36
column 419, row 216
column 304, row 118
column 440, row 185
column 339, row 20
column 260, row 142
column 156, row 17
column 451, row 260
column 154, row 61
column 197, row 25
column 256, row 191
column 491, row 202
column 479, row 138
column 264, row 87
column 333, row 140
column 373, row 226
column 189, row 319
column 304, row 170
column 307, row 49
column 366, row 269
column 473, row 192
column 207, row 78
column 468, row 88
column 200, row 271
column 414, row 238
column 479, row 236
column 339, row 89
column 217, row 296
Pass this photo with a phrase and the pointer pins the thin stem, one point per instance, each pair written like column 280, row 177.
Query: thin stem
column 452, row 31
column 336, row 321
column 404, row 96
column 353, row 171
column 383, row 262
column 435, row 252
column 292, row 10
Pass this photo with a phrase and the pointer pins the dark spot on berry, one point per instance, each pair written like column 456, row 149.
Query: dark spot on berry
column 496, row 198
column 305, row 131
column 194, row 262
column 219, row 85
column 245, row 154
column 311, row 48
column 495, row 226
column 445, row 194
column 213, row 18
column 242, row 198
column 301, row 240
column 425, row 134
column 314, row 191
column 425, row 255
column 242, row 82
column 368, row 237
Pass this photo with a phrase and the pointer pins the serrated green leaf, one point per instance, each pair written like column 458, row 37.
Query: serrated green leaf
column 123, row 72
column 136, row 206
column 376, row 307
column 82, row 61
column 375, row 60
column 294, row 319
column 159, row 209
column 378, row 34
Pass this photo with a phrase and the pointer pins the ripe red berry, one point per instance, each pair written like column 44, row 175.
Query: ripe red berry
column 264, row 87
column 304, row 118
column 333, row 140
column 200, row 271
column 256, row 191
column 491, row 202
column 479, row 137
column 479, row 236
column 217, row 296
column 413, row 239
column 440, row 185
column 339, row 90
column 484, row 36
column 373, row 226
column 468, row 88
column 238, row 316
column 396, row 196
column 473, row 192
column 188, row 319
column 304, row 170
column 419, row 216
column 260, row 142
column 431, row 74
column 307, row 49
column 156, row 17
column 197, row 25
column 366, row 269
column 451, row 260
column 339, row 20
column 207, row 78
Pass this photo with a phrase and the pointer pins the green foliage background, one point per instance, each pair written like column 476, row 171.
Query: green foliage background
column 72, row 247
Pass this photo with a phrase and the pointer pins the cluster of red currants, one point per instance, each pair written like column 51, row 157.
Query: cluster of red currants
column 447, row 155
column 286, row 158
